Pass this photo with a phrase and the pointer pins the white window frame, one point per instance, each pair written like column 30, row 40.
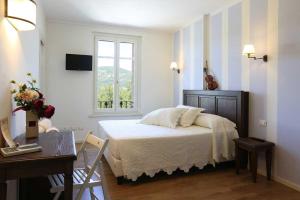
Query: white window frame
column 118, row 38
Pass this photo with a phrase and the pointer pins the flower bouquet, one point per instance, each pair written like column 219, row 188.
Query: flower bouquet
column 29, row 99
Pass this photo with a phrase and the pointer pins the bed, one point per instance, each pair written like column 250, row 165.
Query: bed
column 135, row 149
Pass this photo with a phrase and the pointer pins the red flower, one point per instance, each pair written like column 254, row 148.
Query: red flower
column 38, row 105
column 49, row 111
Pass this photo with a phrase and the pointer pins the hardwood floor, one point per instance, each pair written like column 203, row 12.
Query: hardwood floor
column 215, row 185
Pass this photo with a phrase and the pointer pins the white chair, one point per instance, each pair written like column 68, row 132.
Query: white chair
column 83, row 177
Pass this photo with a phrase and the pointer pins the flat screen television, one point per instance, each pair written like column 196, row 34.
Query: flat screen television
column 79, row 62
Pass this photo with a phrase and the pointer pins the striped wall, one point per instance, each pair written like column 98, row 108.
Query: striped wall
column 190, row 58
column 273, row 27
column 215, row 50
column 235, row 47
column 176, row 57
column 288, row 136
column 229, row 29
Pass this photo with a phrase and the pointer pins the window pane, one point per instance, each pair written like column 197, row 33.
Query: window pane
column 106, row 49
column 126, row 50
column 104, row 62
column 125, row 84
column 105, row 83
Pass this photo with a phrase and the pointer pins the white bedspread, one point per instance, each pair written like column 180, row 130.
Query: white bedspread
column 150, row 149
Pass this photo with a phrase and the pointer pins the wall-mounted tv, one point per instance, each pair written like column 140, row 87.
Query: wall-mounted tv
column 79, row 62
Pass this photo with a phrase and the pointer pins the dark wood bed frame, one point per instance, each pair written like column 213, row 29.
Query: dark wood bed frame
column 234, row 105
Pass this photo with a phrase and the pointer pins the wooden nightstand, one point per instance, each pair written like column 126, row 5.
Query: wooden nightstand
column 253, row 146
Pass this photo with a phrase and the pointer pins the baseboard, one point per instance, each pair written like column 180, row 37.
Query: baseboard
column 281, row 180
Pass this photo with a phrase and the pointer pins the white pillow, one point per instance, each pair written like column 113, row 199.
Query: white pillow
column 44, row 125
column 209, row 121
column 187, row 119
column 167, row 117
column 184, row 106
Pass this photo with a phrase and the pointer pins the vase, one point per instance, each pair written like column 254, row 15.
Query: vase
column 32, row 128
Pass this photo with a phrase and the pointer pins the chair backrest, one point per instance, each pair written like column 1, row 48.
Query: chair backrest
column 5, row 133
column 100, row 144
column 2, row 140
column 95, row 141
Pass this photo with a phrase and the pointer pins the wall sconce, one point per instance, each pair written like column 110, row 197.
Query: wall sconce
column 249, row 51
column 175, row 67
column 21, row 14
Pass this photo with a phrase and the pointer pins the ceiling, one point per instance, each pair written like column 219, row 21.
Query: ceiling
column 167, row 15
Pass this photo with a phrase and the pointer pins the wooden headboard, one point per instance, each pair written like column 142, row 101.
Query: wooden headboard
column 234, row 105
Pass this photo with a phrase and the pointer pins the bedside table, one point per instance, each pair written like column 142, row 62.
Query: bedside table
column 254, row 146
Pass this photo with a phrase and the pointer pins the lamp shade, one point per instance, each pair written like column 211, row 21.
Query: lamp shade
column 249, row 49
column 21, row 14
column 174, row 65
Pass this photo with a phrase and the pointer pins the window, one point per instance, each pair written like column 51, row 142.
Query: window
column 116, row 73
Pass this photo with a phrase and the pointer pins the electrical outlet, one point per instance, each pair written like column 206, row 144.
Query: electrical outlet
column 263, row 123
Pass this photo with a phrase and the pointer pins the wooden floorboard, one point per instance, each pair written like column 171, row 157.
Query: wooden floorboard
column 215, row 185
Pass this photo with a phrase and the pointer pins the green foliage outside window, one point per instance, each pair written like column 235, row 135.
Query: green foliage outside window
column 105, row 94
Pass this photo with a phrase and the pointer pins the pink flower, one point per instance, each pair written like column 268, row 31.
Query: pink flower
column 49, row 111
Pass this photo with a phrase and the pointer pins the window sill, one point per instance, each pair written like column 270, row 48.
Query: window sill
column 129, row 114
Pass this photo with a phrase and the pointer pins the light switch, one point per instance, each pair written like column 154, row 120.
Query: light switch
column 263, row 123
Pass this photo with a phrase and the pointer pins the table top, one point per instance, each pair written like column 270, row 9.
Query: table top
column 254, row 142
column 55, row 146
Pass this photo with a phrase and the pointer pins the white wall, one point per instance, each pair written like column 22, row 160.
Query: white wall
column 71, row 92
column 19, row 54
column 288, row 97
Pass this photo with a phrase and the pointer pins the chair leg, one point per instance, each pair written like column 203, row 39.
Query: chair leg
column 79, row 194
column 269, row 163
column 237, row 160
column 92, row 193
column 95, row 197
column 254, row 166
column 57, row 195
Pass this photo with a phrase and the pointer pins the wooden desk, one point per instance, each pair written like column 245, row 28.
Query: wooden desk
column 57, row 156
